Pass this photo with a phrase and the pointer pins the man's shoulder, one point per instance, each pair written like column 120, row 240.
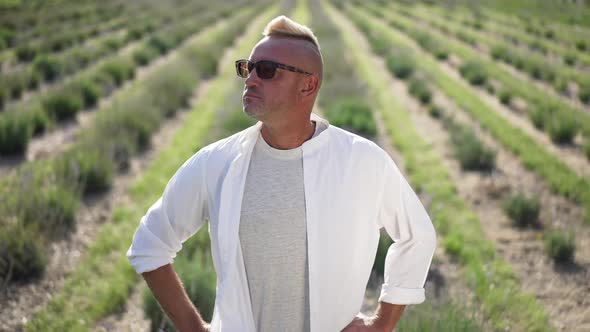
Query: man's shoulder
column 222, row 148
column 357, row 142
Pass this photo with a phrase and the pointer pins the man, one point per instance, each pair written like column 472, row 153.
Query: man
column 294, row 207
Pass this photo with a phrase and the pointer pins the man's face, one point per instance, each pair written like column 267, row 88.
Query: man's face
column 266, row 98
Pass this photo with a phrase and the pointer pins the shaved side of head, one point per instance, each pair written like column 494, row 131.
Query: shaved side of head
column 304, row 42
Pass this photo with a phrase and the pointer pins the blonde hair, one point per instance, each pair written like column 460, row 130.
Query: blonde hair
column 283, row 26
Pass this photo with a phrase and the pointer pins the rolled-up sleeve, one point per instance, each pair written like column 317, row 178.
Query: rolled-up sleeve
column 407, row 223
column 177, row 215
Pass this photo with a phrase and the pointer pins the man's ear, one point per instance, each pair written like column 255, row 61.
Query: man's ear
column 310, row 85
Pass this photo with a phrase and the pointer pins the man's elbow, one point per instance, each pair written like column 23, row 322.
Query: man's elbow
column 426, row 236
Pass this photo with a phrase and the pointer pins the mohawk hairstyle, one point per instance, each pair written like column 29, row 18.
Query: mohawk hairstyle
column 283, row 26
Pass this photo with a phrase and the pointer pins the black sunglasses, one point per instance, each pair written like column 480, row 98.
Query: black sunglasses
column 265, row 69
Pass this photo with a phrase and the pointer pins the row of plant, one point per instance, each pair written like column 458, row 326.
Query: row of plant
column 574, row 37
column 532, row 154
column 468, row 149
column 537, row 66
column 24, row 23
column 522, row 209
column 19, row 123
column 123, row 19
column 492, row 280
column 546, row 44
column 44, row 196
column 47, row 67
column 109, row 281
column 559, row 120
column 548, row 112
column 59, row 42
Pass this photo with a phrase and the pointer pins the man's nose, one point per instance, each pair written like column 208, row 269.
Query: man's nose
column 252, row 78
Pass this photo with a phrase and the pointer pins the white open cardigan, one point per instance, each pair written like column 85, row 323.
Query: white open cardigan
column 352, row 189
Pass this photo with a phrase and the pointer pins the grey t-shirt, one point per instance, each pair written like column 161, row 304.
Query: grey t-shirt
column 273, row 237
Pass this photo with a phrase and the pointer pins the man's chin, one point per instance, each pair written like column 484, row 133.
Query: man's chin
column 251, row 112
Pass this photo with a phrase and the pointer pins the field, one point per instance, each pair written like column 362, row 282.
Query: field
column 484, row 106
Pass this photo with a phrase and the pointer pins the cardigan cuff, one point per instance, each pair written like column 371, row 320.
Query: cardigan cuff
column 146, row 264
column 398, row 295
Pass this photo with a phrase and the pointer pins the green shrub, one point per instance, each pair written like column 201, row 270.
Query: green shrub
column 137, row 118
column 433, row 316
column 562, row 128
column 15, row 85
column 473, row 72
column 587, row 148
column 549, row 34
column 206, row 58
column 51, row 208
column 379, row 45
column 143, row 56
column 89, row 91
column 93, row 169
column 570, row 59
column 37, row 117
column 419, row 89
column 500, row 52
column 505, row 97
column 584, row 93
column 581, row 45
column 27, row 52
column 471, row 153
column 431, row 45
column 522, row 210
column 401, row 64
column 542, row 114
column 561, row 247
column 43, row 199
column 135, row 32
column 454, row 245
column 171, row 89
column 160, row 43
column 22, row 253
column 63, row 105
column 113, row 43
column 7, row 35
column 435, row 111
column 34, row 79
column 104, row 80
column 3, row 96
column 15, row 133
column 353, row 114
column 82, row 56
column 49, row 67
column 119, row 70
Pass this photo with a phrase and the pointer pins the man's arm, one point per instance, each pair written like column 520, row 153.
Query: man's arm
column 387, row 315
column 168, row 290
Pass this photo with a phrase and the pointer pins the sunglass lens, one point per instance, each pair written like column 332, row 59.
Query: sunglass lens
column 242, row 68
column 265, row 70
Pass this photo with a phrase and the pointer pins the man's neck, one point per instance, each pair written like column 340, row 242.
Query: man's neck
column 287, row 136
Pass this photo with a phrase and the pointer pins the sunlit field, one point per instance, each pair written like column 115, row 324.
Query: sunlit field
column 483, row 105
